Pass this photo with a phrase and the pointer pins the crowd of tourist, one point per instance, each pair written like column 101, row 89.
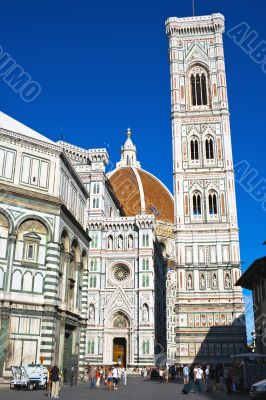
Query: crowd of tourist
column 196, row 377
column 105, row 376
column 215, row 377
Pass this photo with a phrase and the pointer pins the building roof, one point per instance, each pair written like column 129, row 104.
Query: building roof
column 140, row 192
column 10, row 124
column 253, row 274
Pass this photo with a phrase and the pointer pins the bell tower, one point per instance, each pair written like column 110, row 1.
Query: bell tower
column 209, row 308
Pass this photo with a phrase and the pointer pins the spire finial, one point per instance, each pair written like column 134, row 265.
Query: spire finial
column 193, row 7
column 129, row 133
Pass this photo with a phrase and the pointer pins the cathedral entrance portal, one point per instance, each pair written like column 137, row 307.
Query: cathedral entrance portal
column 120, row 351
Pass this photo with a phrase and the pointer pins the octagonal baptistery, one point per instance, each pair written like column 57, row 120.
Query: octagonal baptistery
column 140, row 192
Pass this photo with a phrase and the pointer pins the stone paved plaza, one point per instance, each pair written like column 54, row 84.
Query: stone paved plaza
column 137, row 389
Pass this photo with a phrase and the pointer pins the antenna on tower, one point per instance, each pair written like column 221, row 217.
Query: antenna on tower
column 193, row 7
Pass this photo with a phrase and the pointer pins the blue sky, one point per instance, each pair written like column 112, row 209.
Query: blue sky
column 103, row 67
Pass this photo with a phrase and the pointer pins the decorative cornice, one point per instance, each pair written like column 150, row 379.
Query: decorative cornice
column 190, row 26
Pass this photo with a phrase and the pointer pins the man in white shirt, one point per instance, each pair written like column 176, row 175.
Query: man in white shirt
column 198, row 377
column 115, row 377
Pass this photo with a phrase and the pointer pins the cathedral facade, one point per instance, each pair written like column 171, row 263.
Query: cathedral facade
column 102, row 268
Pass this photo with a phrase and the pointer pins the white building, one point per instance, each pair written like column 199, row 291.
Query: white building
column 102, row 268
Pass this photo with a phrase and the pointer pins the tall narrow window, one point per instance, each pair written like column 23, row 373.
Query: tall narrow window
column 145, row 265
column 145, row 281
column 198, row 83
column 209, row 149
column 213, row 204
column 145, row 240
column 193, row 90
column 194, row 149
column 196, row 204
column 198, row 90
column 203, row 89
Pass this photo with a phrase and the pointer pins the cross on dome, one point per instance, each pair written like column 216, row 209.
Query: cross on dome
column 128, row 153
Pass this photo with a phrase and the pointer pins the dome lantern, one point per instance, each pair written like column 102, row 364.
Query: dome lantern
column 128, row 153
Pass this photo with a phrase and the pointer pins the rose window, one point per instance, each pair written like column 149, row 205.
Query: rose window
column 121, row 273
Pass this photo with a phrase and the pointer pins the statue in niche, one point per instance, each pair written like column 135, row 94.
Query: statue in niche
column 222, row 319
column 130, row 242
column 203, row 320
column 91, row 313
column 214, row 280
column 202, row 281
column 145, row 314
column 120, row 242
column 227, row 283
column 110, row 242
column 189, row 282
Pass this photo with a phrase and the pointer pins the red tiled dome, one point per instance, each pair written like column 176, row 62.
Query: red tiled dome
column 139, row 191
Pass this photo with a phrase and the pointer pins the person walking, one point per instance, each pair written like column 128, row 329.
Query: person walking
column 98, row 378
column 166, row 374
column 124, row 376
column 49, row 382
column 115, row 377
column 198, row 376
column 109, row 379
column 186, row 374
column 92, row 377
column 55, row 382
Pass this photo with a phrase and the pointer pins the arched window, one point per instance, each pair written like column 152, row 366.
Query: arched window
column 196, row 200
column 209, row 149
column 16, row 280
column 38, row 283
column 27, row 282
column 213, row 204
column 194, row 149
column 198, row 83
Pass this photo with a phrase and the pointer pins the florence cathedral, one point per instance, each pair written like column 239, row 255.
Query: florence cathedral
column 102, row 268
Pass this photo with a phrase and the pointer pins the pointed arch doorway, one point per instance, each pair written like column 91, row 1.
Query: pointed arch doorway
column 120, row 351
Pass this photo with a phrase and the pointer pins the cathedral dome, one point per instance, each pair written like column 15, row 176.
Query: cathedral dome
column 140, row 192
